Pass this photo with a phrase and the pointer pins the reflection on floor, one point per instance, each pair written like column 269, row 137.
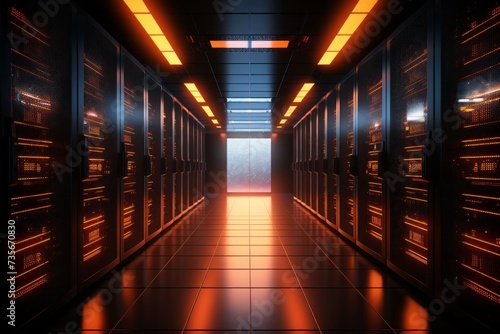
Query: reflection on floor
column 239, row 264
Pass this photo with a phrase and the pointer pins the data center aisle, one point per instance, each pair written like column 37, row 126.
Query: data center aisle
column 240, row 264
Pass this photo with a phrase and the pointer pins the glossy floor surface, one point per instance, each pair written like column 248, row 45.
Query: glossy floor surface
column 263, row 264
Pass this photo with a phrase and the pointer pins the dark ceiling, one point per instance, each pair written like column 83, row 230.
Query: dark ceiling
column 276, row 73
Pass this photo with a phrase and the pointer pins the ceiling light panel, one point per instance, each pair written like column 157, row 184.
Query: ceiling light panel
column 283, row 44
column 137, row 6
column 303, row 92
column 290, row 111
column 229, row 44
column 150, row 25
column 249, row 99
column 352, row 23
column 208, row 111
column 195, row 92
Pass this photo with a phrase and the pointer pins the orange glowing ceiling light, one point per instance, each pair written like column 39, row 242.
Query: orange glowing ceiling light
column 229, row 44
column 208, row 111
column 281, row 44
column 283, row 121
column 358, row 14
column 150, row 25
column 216, row 122
column 279, row 127
column 195, row 92
column 303, row 92
column 290, row 111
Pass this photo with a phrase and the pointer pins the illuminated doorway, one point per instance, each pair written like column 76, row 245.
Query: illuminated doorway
column 249, row 165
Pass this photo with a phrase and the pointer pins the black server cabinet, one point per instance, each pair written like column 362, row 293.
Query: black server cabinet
column 194, row 162
column 39, row 155
column 155, row 159
column 300, row 142
column 177, row 162
column 313, row 161
column 471, row 156
column 184, row 160
column 321, row 160
column 333, row 160
column 410, row 224
column 370, row 124
column 132, row 150
column 307, row 160
column 168, row 155
column 294, row 163
column 348, row 168
column 98, row 120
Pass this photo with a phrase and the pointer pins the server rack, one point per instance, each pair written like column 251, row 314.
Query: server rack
column 307, row 160
column 98, row 124
column 321, row 160
column 471, row 155
column 314, row 157
column 133, row 153
column 177, row 137
column 184, row 160
column 371, row 138
column 155, row 159
column 411, row 226
column 168, row 156
column 36, row 103
column 347, row 157
column 333, row 160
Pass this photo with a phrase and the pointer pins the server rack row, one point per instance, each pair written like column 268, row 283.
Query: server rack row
column 94, row 144
column 412, row 167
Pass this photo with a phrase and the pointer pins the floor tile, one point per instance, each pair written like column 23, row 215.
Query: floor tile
column 281, row 309
column 228, row 278
column 342, row 309
column 181, row 278
column 160, row 309
column 220, row 309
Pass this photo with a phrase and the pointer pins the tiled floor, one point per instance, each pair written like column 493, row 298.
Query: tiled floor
column 262, row 264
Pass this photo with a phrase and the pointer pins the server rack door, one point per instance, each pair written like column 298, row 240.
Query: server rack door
column 133, row 150
column 301, row 161
column 98, row 124
column 332, row 155
column 154, row 158
column 191, row 145
column 307, row 160
column 168, row 153
column 320, row 160
column 177, row 128
column 37, row 127
column 184, row 158
column 295, row 147
column 471, row 168
column 314, row 158
column 194, row 163
column 346, row 154
column 371, row 188
column 409, row 225
column 203, row 160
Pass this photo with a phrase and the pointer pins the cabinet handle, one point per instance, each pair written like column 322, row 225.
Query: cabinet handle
column 353, row 165
column 11, row 148
column 148, row 164
column 124, row 161
column 336, row 165
column 381, row 161
column 85, row 158
column 427, row 160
